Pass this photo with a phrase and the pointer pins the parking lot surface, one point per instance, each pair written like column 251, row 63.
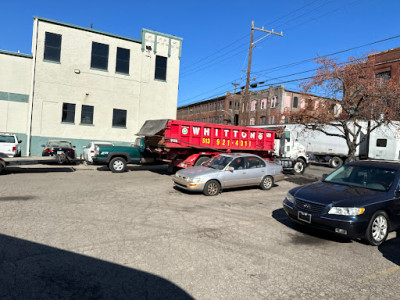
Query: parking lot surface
column 87, row 233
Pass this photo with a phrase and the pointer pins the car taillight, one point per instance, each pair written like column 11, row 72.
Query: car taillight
column 71, row 151
column 92, row 151
column 14, row 148
column 48, row 151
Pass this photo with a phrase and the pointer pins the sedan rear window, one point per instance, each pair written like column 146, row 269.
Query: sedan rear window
column 59, row 144
column 370, row 177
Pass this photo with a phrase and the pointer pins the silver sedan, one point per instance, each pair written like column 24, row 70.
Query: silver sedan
column 228, row 171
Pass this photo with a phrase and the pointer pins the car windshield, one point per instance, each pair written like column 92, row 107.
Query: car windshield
column 370, row 177
column 218, row 162
column 59, row 144
column 7, row 139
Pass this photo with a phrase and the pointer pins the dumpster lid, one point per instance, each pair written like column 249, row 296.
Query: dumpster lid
column 152, row 127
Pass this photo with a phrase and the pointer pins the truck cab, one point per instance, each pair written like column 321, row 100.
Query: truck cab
column 10, row 145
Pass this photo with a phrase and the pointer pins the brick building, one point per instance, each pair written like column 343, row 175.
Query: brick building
column 264, row 107
column 386, row 64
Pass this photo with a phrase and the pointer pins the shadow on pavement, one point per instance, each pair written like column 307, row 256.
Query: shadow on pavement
column 155, row 168
column 20, row 170
column 391, row 250
column 281, row 217
column 34, row 271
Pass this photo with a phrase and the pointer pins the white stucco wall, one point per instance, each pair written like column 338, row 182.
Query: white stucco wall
column 138, row 93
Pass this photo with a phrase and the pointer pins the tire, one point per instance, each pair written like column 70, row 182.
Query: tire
column 212, row 188
column 299, row 167
column 378, row 228
column 267, row 183
column 201, row 160
column 335, row 162
column 117, row 165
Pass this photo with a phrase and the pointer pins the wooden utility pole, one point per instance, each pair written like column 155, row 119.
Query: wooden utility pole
column 245, row 106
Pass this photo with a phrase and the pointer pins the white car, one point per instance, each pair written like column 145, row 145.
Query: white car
column 88, row 151
column 10, row 145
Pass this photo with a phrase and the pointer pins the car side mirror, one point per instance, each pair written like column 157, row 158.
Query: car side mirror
column 231, row 169
column 73, row 147
column 19, row 141
column 43, row 146
column 324, row 176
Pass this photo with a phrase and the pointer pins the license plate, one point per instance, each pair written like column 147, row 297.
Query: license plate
column 303, row 216
column 60, row 152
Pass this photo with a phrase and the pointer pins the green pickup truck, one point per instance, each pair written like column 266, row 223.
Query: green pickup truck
column 117, row 157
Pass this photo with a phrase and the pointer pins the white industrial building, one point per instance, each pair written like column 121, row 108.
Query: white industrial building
column 84, row 85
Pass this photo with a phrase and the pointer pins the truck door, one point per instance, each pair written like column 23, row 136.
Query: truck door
column 383, row 148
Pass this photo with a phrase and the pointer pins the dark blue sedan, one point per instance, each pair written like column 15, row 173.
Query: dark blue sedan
column 358, row 200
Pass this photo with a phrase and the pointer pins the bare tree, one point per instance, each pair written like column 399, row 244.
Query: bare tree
column 353, row 95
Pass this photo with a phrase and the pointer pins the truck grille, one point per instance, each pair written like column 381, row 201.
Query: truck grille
column 309, row 206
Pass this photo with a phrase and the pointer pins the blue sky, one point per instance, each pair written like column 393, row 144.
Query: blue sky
column 216, row 34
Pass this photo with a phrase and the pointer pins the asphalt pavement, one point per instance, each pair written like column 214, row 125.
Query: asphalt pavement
column 83, row 232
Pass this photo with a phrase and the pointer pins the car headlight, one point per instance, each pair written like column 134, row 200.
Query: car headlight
column 290, row 198
column 346, row 211
column 193, row 180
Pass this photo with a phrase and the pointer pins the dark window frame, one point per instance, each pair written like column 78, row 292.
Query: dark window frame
column 116, row 122
column 122, row 63
column 295, row 102
column 85, row 113
column 381, row 143
column 67, row 109
column 160, row 72
column 50, row 46
column 99, row 61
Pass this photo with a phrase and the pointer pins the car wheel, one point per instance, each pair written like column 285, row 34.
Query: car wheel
column 212, row 188
column 299, row 167
column 335, row 162
column 378, row 228
column 117, row 165
column 267, row 183
column 201, row 160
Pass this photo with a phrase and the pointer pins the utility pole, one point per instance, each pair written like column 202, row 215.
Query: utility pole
column 235, row 85
column 245, row 112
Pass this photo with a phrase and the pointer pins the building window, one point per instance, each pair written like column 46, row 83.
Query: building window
column 274, row 101
column 381, row 142
column 87, row 114
column 123, row 56
column 295, row 102
column 263, row 120
column 52, row 47
column 161, row 68
column 263, row 103
column 252, row 121
column 230, row 104
column 272, row 120
column 99, row 56
column 119, row 118
column 384, row 76
column 68, row 113
column 253, row 105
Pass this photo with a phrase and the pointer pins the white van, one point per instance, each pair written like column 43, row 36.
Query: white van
column 9, row 145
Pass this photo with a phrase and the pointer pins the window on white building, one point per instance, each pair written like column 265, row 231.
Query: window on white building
column 68, row 113
column 52, row 47
column 87, row 114
column 119, row 118
column 99, row 56
column 123, row 57
column 161, row 68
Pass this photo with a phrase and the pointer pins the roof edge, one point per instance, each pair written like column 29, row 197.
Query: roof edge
column 15, row 54
column 87, row 29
